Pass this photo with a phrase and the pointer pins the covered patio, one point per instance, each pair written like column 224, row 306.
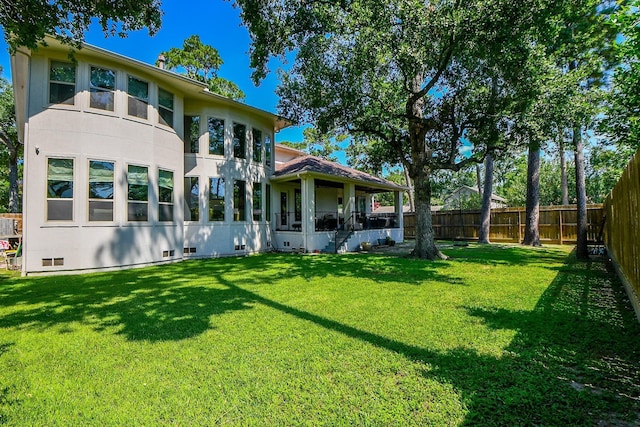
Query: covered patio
column 324, row 206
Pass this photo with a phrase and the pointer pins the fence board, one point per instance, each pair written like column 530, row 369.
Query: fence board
column 622, row 231
column 558, row 224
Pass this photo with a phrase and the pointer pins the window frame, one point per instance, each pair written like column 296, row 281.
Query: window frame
column 240, row 148
column 211, row 210
column 130, row 97
column 60, row 82
column 187, row 196
column 269, row 157
column 257, row 153
column 70, row 200
column 96, row 200
column 256, row 185
column 134, row 201
column 161, row 107
column 239, row 203
column 100, row 89
column 223, row 121
column 163, row 204
column 188, row 141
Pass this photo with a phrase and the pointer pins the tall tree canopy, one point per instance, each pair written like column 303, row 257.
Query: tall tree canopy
column 201, row 62
column 418, row 76
column 26, row 22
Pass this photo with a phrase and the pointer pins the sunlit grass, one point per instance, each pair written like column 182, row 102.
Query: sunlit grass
column 496, row 335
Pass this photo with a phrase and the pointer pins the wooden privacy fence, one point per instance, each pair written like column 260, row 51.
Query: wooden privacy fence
column 557, row 224
column 622, row 231
column 13, row 227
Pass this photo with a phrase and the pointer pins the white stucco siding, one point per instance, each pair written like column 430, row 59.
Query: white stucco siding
column 82, row 134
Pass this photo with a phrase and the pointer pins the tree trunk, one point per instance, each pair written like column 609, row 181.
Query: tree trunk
column 425, row 243
column 485, row 214
column 531, row 231
column 564, row 186
column 478, row 179
column 14, row 201
column 407, row 178
column 582, row 251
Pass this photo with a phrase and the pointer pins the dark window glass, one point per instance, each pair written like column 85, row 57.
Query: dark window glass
column 165, row 107
column 102, row 88
column 60, row 189
column 216, row 136
column 138, row 193
column 257, row 201
column 216, row 199
column 267, row 202
column 297, row 199
column 239, row 200
column 165, row 195
column 101, row 186
column 192, row 198
column 62, row 82
column 257, row 145
column 191, row 134
column 267, row 150
column 138, row 91
column 239, row 141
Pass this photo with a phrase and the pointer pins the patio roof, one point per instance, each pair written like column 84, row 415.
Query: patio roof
column 317, row 167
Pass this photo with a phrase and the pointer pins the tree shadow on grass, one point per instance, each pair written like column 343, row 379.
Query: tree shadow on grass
column 574, row 359
column 129, row 303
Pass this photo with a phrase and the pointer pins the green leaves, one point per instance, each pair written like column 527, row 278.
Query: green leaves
column 201, row 62
column 26, row 22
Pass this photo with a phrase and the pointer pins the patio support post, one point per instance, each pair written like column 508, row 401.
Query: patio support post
column 349, row 201
column 398, row 203
column 308, row 209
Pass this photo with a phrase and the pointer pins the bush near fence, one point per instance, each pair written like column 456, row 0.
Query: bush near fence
column 557, row 224
column 622, row 231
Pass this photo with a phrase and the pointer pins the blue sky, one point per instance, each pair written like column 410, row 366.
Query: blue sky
column 218, row 24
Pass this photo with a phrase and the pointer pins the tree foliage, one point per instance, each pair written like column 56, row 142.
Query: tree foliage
column 11, row 150
column 419, row 77
column 26, row 22
column 201, row 62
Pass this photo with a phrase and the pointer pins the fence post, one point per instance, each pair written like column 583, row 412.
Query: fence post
column 519, row 228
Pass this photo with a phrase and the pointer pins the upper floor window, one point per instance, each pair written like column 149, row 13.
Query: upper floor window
column 267, row 150
column 138, row 94
column 239, row 141
column 192, row 198
column 62, row 82
column 191, row 134
column 165, row 195
column 138, row 193
column 216, row 136
column 102, row 87
column 257, row 145
column 101, row 190
column 60, row 190
column 165, row 107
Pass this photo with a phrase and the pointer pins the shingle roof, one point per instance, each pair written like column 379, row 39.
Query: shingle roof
column 316, row 165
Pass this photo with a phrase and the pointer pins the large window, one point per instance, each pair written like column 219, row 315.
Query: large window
column 216, row 199
column 101, row 190
column 60, row 190
column 138, row 91
column 267, row 150
column 257, row 145
column 102, row 87
column 239, row 141
column 267, row 202
column 165, row 195
column 192, row 198
column 165, row 107
column 191, row 134
column 138, row 193
column 216, row 136
column 297, row 204
column 62, row 82
column 239, row 200
column 257, row 201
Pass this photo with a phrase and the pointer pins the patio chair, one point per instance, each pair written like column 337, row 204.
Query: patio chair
column 14, row 258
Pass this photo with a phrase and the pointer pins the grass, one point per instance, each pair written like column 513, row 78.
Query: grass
column 498, row 335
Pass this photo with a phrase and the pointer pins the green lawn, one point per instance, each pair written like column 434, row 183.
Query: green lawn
column 497, row 335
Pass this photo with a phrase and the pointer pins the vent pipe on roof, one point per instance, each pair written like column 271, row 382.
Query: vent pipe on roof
column 161, row 61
